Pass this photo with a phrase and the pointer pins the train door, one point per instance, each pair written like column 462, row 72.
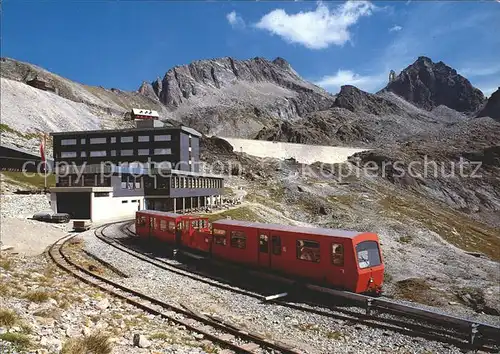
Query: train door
column 178, row 234
column 264, row 255
column 336, row 271
column 152, row 221
column 275, row 249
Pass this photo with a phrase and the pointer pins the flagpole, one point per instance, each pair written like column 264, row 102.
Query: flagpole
column 45, row 160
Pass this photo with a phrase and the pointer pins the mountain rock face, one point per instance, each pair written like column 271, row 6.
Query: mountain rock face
column 492, row 108
column 359, row 118
column 147, row 90
column 356, row 100
column 428, row 85
column 229, row 96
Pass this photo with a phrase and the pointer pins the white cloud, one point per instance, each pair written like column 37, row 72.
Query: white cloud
column 235, row 20
column 347, row 77
column 395, row 28
column 480, row 70
column 316, row 29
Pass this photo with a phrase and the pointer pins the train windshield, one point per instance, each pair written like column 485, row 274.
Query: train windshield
column 368, row 254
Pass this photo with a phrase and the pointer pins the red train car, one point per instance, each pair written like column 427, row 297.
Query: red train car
column 196, row 233
column 163, row 226
column 345, row 259
column 348, row 260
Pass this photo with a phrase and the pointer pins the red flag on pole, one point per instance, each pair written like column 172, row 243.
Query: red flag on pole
column 42, row 152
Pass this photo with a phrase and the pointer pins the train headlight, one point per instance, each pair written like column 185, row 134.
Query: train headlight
column 371, row 280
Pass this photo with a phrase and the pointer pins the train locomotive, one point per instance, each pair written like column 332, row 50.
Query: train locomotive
column 347, row 260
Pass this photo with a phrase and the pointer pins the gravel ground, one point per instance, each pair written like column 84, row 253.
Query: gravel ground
column 28, row 237
column 23, row 206
column 65, row 310
column 310, row 332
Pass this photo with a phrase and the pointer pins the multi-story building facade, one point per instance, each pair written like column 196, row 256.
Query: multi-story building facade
column 108, row 174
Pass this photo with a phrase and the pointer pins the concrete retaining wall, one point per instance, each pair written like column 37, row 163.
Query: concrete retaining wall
column 302, row 153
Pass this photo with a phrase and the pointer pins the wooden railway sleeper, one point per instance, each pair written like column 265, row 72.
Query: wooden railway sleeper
column 369, row 307
column 473, row 333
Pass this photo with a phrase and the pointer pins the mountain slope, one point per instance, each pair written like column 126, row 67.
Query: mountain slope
column 238, row 97
column 428, row 85
column 492, row 107
column 104, row 102
column 362, row 119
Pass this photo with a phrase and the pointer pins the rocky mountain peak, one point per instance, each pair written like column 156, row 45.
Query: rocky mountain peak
column 147, row 90
column 428, row 85
column 492, row 107
column 248, row 92
column 356, row 100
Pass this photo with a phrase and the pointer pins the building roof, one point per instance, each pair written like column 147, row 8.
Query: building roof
column 160, row 213
column 289, row 228
column 130, row 130
column 145, row 112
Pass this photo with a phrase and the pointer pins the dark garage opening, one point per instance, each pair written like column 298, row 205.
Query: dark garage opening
column 77, row 205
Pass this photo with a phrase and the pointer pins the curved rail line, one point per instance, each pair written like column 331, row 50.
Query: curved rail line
column 227, row 336
column 442, row 328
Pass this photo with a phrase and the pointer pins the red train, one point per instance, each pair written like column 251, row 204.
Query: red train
column 347, row 260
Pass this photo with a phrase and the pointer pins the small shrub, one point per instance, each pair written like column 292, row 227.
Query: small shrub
column 387, row 277
column 48, row 313
column 19, row 340
column 405, row 239
column 26, row 328
column 334, row 335
column 6, row 263
column 7, row 318
column 37, row 296
column 159, row 336
column 92, row 344
column 4, row 289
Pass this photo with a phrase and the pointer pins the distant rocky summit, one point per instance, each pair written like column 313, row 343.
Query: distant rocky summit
column 428, row 85
column 492, row 107
column 237, row 97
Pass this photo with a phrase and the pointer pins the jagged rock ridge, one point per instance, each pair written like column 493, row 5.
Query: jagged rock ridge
column 492, row 107
column 361, row 119
column 428, row 85
column 235, row 97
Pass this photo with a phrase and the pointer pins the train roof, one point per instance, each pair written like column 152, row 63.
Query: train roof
column 159, row 213
column 289, row 228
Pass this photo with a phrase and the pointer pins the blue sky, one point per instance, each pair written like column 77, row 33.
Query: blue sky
column 121, row 43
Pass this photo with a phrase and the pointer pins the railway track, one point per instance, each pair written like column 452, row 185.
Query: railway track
column 380, row 314
column 225, row 335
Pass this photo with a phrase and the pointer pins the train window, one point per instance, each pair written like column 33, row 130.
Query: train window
column 368, row 254
column 171, row 226
column 308, row 250
column 276, row 244
column 264, row 243
column 163, row 225
column 153, row 223
column 220, row 239
column 337, row 254
column 219, row 232
column 195, row 224
column 238, row 239
column 141, row 221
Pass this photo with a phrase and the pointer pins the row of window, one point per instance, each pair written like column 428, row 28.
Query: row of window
column 170, row 226
column 306, row 250
column 124, row 152
column 87, row 180
column 182, row 182
column 112, row 139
